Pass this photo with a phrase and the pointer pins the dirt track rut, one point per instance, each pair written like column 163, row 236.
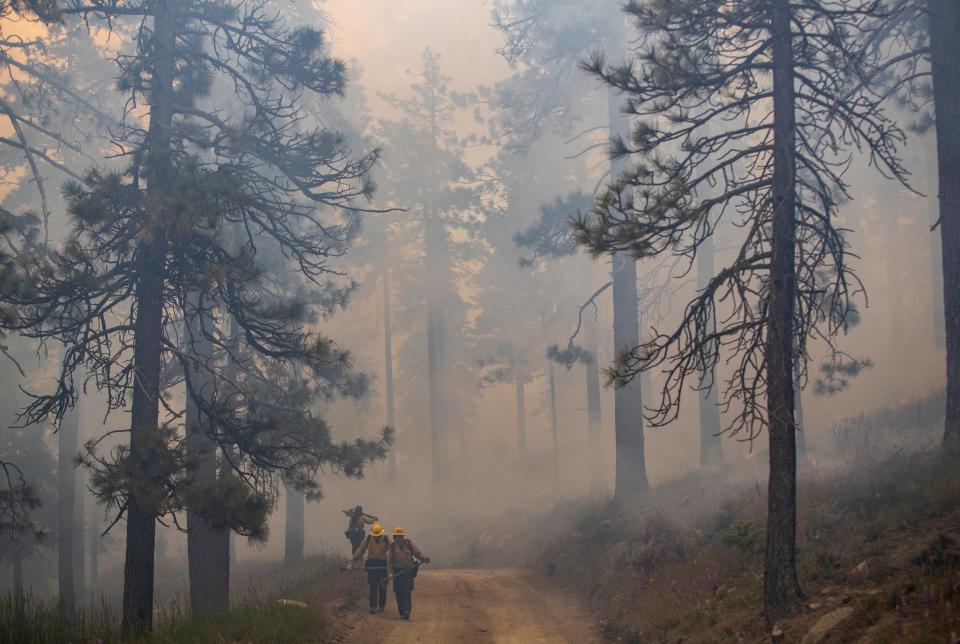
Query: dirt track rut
column 479, row 606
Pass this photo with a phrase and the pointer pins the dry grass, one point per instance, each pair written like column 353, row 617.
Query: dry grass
column 257, row 617
column 697, row 577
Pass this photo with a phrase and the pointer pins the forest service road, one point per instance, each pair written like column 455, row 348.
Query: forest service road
column 479, row 606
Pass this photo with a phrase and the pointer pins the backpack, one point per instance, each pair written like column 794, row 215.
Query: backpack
column 405, row 548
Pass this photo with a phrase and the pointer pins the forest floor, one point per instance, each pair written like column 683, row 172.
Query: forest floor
column 503, row 605
column 878, row 557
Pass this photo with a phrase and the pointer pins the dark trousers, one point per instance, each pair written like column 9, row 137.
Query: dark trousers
column 403, row 589
column 377, row 580
column 356, row 538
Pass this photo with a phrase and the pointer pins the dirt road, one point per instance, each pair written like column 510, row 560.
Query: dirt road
column 479, row 606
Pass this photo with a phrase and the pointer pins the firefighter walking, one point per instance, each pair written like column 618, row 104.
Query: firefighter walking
column 355, row 529
column 376, row 545
column 405, row 558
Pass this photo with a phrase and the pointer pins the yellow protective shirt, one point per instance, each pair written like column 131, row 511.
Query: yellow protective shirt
column 403, row 553
column 375, row 547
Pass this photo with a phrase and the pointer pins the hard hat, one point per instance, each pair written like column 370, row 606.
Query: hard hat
column 399, row 532
column 376, row 530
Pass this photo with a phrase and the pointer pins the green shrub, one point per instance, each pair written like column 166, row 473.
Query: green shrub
column 745, row 536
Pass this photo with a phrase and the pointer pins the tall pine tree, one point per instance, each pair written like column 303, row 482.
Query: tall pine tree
column 758, row 98
column 148, row 255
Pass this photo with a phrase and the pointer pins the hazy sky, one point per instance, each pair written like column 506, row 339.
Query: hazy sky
column 388, row 37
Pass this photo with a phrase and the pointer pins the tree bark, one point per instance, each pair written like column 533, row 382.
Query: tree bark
column 433, row 239
column 711, row 449
column 142, row 508
column 228, row 545
column 68, row 444
column 798, row 414
column 388, row 371
column 594, row 413
column 208, row 562
column 780, row 586
column 554, row 430
column 631, row 468
column 18, row 584
column 936, row 247
column 945, row 58
column 293, row 538
column 93, row 538
column 79, row 531
column 936, row 262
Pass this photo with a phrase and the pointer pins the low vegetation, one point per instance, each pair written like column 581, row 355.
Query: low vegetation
column 878, row 556
column 883, row 542
column 258, row 616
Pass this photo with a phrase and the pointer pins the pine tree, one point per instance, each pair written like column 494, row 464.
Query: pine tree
column 147, row 256
column 761, row 99
column 916, row 47
column 425, row 173
column 549, row 239
column 544, row 40
column 944, row 21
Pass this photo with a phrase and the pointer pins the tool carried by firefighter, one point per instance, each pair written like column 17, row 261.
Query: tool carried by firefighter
column 355, row 529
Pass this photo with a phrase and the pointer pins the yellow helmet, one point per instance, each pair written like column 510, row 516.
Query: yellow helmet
column 376, row 530
column 399, row 531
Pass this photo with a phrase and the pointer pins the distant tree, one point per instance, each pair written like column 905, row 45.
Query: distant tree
column 918, row 46
column 51, row 80
column 68, row 451
column 294, row 535
column 147, row 257
column 545, row 40
column 28, row 506
column 548, row 239
column 28, row 478
column 50, row 86
column 425, row 173
column 760, row 99
column 518, row 298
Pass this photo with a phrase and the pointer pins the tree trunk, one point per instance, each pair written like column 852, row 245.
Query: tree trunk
column 631, row 468
column 936, row 261
column 433, row 239
column 80, row 534
column 207, row 550
column 936, row 254
column 93, row 538
column 388, row 371
column 780, row 586
column 293, row 538
column 945, row 57
column 68, row 443
column 594, row 412
column 554, row 431
column 798, row 415
column 142, row 508
column 228, row 544
column 711, row 449
column 17, row 585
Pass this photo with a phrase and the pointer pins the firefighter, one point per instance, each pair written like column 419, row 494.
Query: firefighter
column 376, row 545
column 355, row 529
column 406, row 559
